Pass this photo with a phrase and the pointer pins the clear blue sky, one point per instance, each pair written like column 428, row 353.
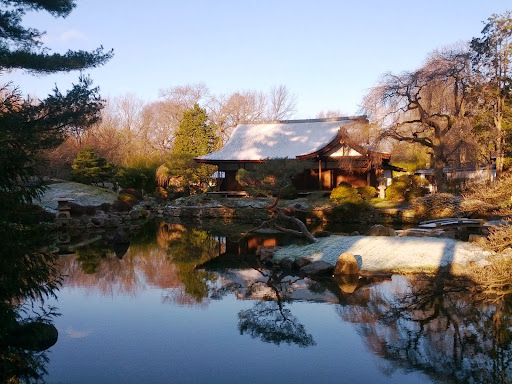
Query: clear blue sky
column 327, row 52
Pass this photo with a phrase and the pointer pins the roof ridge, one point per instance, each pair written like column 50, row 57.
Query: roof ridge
column 323, row 120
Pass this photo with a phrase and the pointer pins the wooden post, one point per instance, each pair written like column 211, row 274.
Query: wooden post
column 320, row 174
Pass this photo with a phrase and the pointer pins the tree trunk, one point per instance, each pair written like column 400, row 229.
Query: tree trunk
column 440, row 181
column 498, row 118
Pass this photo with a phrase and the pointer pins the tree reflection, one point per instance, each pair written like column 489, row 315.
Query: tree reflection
column 188, row 248
column 269, row 320
column 28, row 276
column 434, row 324
column 162, row 255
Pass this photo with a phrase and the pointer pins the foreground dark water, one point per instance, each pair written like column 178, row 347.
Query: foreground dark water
column 149, row 315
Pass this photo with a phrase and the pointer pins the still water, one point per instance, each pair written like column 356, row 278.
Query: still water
column 151, row 316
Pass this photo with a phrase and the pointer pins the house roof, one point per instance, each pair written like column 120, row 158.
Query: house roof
column 289, row 138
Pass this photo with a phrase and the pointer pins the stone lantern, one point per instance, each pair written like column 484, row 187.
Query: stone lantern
column 63, row 208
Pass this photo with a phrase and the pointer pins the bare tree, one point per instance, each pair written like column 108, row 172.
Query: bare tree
column 428, row 106
column 281, row 103
column 159, row 125
column 330, row 113
column 240, row 107
column 184, row 97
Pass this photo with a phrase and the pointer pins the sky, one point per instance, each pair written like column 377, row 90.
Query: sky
column 328, row 53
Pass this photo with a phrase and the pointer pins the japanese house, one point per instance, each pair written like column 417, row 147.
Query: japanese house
column 334, row 150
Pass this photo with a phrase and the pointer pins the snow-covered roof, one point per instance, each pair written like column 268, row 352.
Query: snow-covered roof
column 292, row 138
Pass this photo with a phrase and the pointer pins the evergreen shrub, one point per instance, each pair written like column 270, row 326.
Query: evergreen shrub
column 345, row 193
column 407, row 187
column 367, row 192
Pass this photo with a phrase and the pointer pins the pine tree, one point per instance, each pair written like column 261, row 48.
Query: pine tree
column 29, row 126
column 195, row 135
column 90, row 168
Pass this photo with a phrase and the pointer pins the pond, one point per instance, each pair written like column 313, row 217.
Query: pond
column 192, row 305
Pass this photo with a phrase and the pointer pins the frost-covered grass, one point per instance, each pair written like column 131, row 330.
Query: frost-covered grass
column 389, row 253
column 82, row 194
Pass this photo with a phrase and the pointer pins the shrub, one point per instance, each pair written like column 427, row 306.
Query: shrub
column 349, row 211
column 367, row 192
column 90, row 168
column 437, row 205
column 289, row 193
column 396, row 191
column 133, row 192
column 407, row 187
column 128, row 199
column 345, row 184
column 139, row 174
column 345, row 193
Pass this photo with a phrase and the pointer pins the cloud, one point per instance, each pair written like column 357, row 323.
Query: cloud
column 74, row 334
column 72, row 34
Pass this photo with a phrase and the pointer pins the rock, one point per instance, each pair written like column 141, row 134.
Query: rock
column 98, row 220
column 317, row 268
column 286, row 263
column 137, row 214
column 355, row 233
column 265, row 252
column 112, row 221
column 346, row 265
column 381, row 230
column 302, row 262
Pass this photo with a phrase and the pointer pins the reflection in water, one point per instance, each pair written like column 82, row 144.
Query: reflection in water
column 430, row 324
column 269, row 319
column 27, row 277
column 171, row 265
column 433, row 324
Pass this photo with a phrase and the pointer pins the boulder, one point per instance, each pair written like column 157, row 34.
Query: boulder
column 346, row 265
column 317, row 268
column 302, row 262
column 381, row 230
column 138, row 214
column 286, row 264
column 265, row 252
column 113, row 221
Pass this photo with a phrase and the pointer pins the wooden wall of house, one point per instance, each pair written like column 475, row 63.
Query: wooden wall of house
column 230, row 183
column 307, row 180
column 356, row 179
